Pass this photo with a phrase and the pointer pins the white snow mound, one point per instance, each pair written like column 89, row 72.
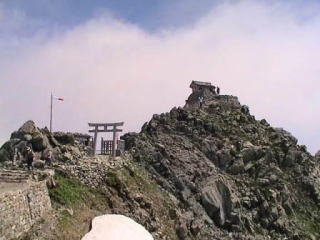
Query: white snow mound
column 116, row 227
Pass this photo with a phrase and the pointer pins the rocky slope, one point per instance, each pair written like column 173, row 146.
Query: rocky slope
column 83, row 186
column 231, row 173
column 191, row 173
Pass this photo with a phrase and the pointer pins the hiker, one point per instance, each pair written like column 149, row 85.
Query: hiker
column 200, row 100
column 15, row 156
column 48, row 157
column 29, row 156
column 218, row 90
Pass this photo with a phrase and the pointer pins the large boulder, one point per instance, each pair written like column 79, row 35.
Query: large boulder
column 25, row 131
column 64, row 138
column 251, row 153
column 292, row 158
column 4, row 155
column 223, row 159
column 29, row 132
column 116, row 227
column 287, row 136
column 39, row 142
column 216, row 200
column 7, row 150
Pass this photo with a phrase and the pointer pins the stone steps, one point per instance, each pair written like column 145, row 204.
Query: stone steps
column 15, row 176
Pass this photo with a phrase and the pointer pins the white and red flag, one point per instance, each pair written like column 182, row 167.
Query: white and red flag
column 58, row 98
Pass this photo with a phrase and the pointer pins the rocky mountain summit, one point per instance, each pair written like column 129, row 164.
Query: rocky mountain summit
column 194, row 173
column 65, row 147
column 230, row 172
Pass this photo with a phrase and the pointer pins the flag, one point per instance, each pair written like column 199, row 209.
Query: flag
column 58, row 98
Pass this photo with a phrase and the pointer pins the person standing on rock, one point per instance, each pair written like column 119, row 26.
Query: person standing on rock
column 218, row 90
column 29, row 157
column 15, row 156
column 200, row 101
column 48, row 157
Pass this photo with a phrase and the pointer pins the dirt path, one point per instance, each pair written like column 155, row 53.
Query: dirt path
column 8, row 187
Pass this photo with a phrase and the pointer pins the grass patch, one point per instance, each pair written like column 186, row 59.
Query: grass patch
column 134, row 180
column 76, row 205
column 307, row 219
column 133, row 177
column 69, row 191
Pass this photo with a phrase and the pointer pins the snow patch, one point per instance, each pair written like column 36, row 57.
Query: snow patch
column 116, row 227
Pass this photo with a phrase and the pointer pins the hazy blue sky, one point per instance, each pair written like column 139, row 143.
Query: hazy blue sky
column 138, row 57
column 149, row 14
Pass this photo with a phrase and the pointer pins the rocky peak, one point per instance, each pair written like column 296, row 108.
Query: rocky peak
column 64, row 146
column 228, row 169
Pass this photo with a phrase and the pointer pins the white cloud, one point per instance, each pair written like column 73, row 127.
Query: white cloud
column 108, row 70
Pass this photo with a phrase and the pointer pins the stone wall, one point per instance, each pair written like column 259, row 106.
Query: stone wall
column 21, row 208
column 92, row 171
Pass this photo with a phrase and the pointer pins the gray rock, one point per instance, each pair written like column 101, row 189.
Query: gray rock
column 251, row 154
column 39, row 142
column 182, row 231
column 75, row 151
column 292, row 158
column 237, row 167
column 38, row 164
column 27, row 137
column 245, row 109
column 52, row 141
column 28, row 128
column 248, row 166
column 216, row 200
column 263, row 181
column 223, row 159
column 67, row 157
column 287, row 135
column 196, row 226
column 4, row 155
column 7, row 150
column 64, row 138
column 209, row 149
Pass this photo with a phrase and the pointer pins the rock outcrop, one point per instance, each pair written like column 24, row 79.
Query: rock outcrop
column 230, row 171
column 64, row 146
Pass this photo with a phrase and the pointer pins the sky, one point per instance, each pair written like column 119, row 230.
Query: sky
column 122, row 60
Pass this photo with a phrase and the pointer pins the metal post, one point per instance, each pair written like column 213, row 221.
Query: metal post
column 114, row 141
column 51, row 114
column 102, row 147
column 95, row 140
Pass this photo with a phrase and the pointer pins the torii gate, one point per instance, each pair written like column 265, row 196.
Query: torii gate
column 103, row 127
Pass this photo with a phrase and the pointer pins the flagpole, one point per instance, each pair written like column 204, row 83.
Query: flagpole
column 51, row 114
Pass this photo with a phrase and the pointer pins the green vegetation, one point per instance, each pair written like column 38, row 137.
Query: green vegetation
column 307, row 218
column 133, row 177
column 133, row 181
column 68, row 192
column 76, row 204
